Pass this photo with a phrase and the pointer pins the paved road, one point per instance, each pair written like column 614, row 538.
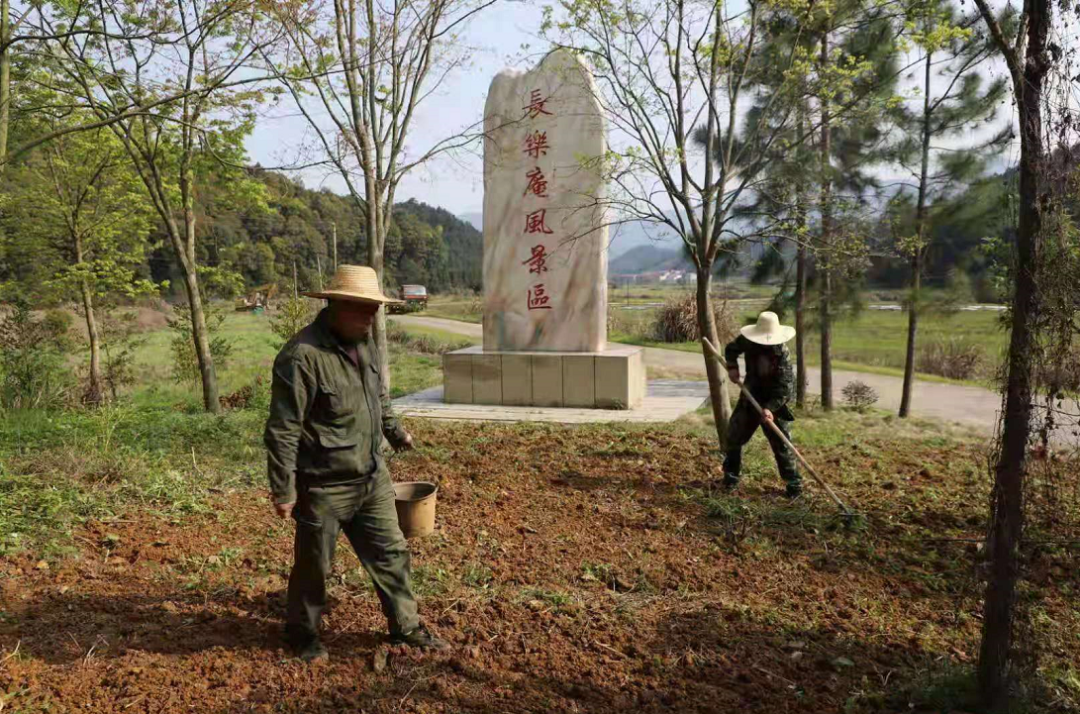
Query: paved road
column 971, row 406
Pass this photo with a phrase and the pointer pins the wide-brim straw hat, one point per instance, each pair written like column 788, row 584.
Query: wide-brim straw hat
column 356, row 283
column 768, row 330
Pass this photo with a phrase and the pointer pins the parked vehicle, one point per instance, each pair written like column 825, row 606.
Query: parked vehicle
column 414, row 298
column 258, row 299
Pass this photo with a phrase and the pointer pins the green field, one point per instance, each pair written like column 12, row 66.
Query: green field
column 870, row 341
column 254, row 346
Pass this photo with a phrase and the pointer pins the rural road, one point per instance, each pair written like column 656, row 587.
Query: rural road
column 970, row 406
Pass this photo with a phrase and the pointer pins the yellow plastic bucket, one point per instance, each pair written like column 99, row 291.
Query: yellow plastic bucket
column 415, row 501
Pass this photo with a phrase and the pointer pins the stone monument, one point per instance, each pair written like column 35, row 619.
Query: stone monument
column 545, row 251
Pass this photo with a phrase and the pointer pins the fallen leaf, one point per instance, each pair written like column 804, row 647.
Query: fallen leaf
column 42, row 565
column 843, row 662
column 380, row 659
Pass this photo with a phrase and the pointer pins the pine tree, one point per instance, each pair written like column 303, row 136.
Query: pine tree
column 953, row 50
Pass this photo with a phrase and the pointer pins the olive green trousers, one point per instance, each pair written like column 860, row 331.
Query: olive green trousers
column 365, row 511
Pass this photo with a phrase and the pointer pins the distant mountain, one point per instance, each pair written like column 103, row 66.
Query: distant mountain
column 476, row 218
column 625, row 237
column 621, row 238
column 649, row 259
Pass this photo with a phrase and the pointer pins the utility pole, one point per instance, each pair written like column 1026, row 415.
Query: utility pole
column 334, row 224
column 318, row 269
column 295, row 283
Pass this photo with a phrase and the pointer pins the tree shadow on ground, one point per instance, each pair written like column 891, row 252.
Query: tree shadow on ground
column 700, row 661
column 65, row 628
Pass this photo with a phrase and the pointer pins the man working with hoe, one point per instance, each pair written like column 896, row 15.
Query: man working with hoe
column 328, row 416
column 770, row 379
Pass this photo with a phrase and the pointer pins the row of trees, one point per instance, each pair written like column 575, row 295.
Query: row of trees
column 800, row 107
column 77, row 226
column 115, row 100
column 791, row 107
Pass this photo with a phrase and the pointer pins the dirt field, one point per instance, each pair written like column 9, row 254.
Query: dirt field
column 574, row 570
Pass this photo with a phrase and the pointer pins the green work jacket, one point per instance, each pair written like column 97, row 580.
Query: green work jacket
column 328, row 414
column 770, row 376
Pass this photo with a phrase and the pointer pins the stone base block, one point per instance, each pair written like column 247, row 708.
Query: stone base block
column 611, row 379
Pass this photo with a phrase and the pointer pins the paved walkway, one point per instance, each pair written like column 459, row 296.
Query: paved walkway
column 971, row 406
column 665, row 401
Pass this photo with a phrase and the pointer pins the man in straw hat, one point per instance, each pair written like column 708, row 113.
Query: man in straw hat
column 329, row 415
column 771, row 379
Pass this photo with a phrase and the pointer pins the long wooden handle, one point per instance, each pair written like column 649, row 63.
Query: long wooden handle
column 776, row 430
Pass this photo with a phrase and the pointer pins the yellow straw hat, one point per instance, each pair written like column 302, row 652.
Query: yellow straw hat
column 768, row 330
column 353, row 282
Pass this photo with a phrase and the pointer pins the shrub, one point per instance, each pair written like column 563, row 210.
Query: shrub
column 121, row 336
column 1060, row 373
column 676, row 321
column 254, row 396
column 57, row 325
column 294, row 315
column 33, row 373
column 185, row 361
column 859, row 396
column 954, row 358
column 424, row 344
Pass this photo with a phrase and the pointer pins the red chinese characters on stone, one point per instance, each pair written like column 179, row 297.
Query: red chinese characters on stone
column 536, row 222
column 538, row 298
column 537, row 262
column 537, row 183
column 536, row 144
column 537, row 105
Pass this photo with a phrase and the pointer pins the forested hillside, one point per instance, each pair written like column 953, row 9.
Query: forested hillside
column 256, row 236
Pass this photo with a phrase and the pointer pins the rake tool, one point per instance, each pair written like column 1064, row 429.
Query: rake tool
column 847, row 514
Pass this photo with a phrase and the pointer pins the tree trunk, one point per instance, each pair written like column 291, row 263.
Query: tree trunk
column 377, row 230
column 917, row 254
column 800, row 289
column 1007, row 519
column 94, row 395
column 717, row 377
column 5, row 80
column 200, row 335
column 826, row 241
column 913, row 319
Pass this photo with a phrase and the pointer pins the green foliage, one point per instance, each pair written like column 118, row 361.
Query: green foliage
column 77, row 218
column 121, row 339
column 185, row 363
column 292, row 315
column 33, row 373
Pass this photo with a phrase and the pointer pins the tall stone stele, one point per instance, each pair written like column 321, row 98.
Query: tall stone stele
column 545, row 251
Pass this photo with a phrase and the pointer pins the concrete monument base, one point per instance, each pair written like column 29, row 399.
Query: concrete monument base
column 611, row 379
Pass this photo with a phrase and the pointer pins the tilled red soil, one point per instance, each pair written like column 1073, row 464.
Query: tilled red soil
column 573, row 570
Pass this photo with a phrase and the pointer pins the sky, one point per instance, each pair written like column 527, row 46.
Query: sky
column 504, row 35
column 497, row 37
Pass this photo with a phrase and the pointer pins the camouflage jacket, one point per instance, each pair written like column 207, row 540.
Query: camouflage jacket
column 328, row 415
column 770, row 376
